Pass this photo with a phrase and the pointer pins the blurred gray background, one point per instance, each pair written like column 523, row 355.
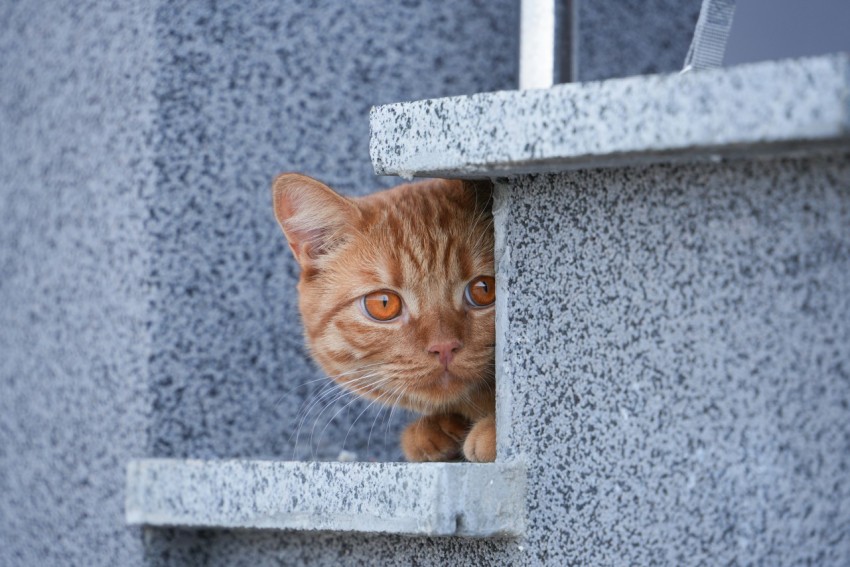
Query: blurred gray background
column 778, row 29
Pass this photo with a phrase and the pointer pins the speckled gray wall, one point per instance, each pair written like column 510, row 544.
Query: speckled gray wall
column 76, row 174
column 676, row 370
column 139, row 249
column 621, row 38
column 148, row 305
column 677, row 364
column 247, row 90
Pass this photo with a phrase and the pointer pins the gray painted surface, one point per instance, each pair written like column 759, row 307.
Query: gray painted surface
column 432, row 499
column 789, row 104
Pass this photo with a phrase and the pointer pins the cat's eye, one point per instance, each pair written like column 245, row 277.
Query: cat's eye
column 481, row 291
column 382, row 305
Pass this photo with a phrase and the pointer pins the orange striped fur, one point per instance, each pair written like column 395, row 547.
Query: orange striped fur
column 424, row 242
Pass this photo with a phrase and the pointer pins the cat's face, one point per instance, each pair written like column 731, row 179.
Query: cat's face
column 397, row 288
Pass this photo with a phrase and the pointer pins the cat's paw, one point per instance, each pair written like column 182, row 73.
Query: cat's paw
column 434, row 438
column 480, row 444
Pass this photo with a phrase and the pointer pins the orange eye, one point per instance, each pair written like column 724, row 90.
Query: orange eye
column 382, row 305
column 481, row 291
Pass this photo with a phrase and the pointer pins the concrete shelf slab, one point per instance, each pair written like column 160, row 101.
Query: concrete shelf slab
column 433, row 499
column 770, row 107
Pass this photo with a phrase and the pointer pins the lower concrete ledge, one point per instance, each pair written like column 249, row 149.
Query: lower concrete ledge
column 434, row 499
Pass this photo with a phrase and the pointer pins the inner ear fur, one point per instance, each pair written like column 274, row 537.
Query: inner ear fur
column 482, row 189
column 313, row 216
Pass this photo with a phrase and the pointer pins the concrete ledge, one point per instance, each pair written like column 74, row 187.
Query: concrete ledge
column 764, row 107
column 435, row 499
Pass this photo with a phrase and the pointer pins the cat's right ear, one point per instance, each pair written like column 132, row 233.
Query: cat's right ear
column 312, row 215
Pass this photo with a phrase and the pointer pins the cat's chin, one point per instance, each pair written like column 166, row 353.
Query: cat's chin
column 447, row 379
column 442, row 387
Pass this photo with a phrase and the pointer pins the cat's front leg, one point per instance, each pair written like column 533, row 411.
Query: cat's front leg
column 480, row 444
column 434, row 438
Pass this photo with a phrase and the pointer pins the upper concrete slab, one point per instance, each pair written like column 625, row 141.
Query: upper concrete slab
column 419, row 499
column 777, row 105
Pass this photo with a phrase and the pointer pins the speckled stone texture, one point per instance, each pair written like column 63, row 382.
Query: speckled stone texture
column 138, row 246
column 247, row 90
column 621, row 38
column 76, row 116
column 673, row 374
column 694, row 410
column 676, row 371
column 793, row 104
column 481, row 500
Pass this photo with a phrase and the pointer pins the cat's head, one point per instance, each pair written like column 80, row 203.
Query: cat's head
column 397, row 288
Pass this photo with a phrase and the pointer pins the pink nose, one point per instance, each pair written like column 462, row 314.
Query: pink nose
column 446, row 351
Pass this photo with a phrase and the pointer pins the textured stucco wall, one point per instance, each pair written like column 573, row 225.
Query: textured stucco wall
column 148, row 296
column 148, row 305
column 674, row 374
column 251, row 90
column 76, row 177
column 247, row 90
column 676, row 366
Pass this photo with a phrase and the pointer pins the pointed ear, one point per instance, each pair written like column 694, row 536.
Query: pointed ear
column 313, row 217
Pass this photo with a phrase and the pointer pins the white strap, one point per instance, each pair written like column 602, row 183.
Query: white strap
column 709, row 43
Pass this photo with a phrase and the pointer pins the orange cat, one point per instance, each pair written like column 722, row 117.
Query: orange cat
column 396, row 296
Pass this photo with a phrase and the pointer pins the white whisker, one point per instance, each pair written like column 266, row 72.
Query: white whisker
column 369, row 405
column 394, row 405
column 371, row 429
column 332, row 392
column 368, row 388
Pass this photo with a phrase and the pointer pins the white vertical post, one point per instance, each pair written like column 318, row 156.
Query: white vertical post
column 547, row 54
column 537, row 44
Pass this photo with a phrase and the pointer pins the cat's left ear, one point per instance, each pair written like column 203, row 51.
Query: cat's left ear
column 312, row 215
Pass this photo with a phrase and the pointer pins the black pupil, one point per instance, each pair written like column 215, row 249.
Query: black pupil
column 385, row 300
column 483, row 285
